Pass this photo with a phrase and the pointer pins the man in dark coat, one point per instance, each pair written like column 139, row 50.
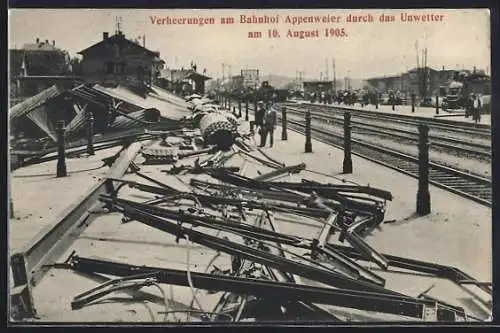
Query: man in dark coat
column 268, row 125
column 259, row 117
column 476, row 108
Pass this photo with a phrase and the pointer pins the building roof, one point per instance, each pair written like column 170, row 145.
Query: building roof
column 34, row 102
column 116, row 39
column 39, row 47
column 392, row 77
column 175, row 75
column 417, row 69
column 318, row 82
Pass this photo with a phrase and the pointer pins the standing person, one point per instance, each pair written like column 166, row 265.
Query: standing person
column 259, row 117
column 476, row 105
column 269, row 123
column 469, row 106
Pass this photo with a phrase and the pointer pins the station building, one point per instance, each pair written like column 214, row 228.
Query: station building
column 117, row 60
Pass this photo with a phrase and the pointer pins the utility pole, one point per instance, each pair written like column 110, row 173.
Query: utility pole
column 326, row 69
column 418, row 69
column 334, row 76
column 301, row 79
column 423, row 75
column 321, row 76
column 223, row 65
column 426, row 78
column 427, row 73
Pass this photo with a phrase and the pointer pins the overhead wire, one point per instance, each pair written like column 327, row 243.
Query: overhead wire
column 190, row 281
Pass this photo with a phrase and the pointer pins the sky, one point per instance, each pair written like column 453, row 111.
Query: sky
column 460, row 40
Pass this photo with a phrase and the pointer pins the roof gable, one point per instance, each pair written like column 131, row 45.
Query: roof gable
column 117, row 39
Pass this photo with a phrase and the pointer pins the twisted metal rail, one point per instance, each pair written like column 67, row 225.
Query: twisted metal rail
column 467, row 185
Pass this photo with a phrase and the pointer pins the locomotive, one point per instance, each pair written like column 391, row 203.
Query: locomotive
column 268, row 93
column 458, row 90
column 265, row 92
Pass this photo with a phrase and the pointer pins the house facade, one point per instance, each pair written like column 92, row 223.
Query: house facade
column 37, row 66
column 421, row 81
column 118, row 60
column 182, row 81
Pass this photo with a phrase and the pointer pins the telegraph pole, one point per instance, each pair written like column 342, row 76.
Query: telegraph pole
column 426, row 73
column 223, row 65
column 334, row 76
column 423, row 75
column 326, row 69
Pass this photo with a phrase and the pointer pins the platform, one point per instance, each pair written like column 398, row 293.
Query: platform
column 456, row 233
column 39, row 196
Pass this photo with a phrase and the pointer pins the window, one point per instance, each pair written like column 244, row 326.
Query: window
column 119, row 68
column 109, row 68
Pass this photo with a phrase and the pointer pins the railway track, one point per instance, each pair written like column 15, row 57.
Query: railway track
column 450, row 144
column 441, row 125
column 467, row 185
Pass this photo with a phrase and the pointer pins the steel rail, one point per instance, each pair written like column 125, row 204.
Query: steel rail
column 80, row 146
column 475, row 148
column 32, row 262
column 451, row 273
column 402, row 305
column 259, row 256
column 443, row 123
column 466, row 185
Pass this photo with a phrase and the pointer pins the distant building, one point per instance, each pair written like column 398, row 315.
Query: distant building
column 118, row 60
column 386, row 83
column 421, row 81
column 37, row 66
column 236, row 83
column 317, row 86
column 182, row 80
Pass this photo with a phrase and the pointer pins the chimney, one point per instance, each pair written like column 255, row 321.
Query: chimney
column 53, row 43
column 105, row 35
column 443, row 68
column 46, row 41
column 38, row 40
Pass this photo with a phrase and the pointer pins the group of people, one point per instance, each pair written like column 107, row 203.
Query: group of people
column 265, row 122
column 473, row 107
